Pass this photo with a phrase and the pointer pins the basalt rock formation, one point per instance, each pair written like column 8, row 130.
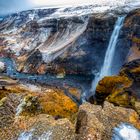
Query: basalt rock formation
column 41, row 43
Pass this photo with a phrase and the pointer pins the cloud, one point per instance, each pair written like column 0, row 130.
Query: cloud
column 11, row 6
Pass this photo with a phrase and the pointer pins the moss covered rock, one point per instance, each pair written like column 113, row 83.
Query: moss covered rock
column 121, row 90
column 95, row 122
column 52, row 101
column 109, row 85
column 56, row 103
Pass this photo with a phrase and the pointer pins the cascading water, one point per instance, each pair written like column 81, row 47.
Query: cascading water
column 106, row 69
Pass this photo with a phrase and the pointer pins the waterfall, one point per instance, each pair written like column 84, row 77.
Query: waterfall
column 107, row 65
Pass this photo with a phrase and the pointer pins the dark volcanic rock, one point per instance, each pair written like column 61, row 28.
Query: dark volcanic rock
column 131, row 35
column 132, row 70
column 73, row 44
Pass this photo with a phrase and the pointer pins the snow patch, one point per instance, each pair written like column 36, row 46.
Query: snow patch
column 32, row 87
column 2, row 66
column 29, row 136
column 26, row 135
column 20, row 107
column 126, row 132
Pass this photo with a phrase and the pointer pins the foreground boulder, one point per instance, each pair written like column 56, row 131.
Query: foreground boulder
column 45, row 127
column 22, row 104
column 97, row 123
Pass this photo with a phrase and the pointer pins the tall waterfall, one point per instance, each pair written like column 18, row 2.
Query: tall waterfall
column 106, row 69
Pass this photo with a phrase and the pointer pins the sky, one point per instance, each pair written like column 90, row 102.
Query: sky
column 11, row 6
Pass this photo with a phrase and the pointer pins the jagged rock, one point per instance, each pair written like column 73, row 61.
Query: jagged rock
column 109, row 85
column 95, row 122
column 131, row 35
column 122, row 90
column 19, row 100
column 42, row 45
column 132, row 70
column 46, row 127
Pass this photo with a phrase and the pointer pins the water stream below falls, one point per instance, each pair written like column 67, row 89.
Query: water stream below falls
column 81, row 82
column 106, row 69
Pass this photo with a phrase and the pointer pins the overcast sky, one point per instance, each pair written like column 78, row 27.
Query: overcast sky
column 10, row 6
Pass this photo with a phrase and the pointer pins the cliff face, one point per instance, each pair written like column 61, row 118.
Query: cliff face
column 41, row 42
column 131, row 35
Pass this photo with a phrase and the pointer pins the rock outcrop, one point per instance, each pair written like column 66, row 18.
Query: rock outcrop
column 97, row 122
column 122, row 90
column 20, row 100
column 131, row 36
column 41, row 43
column 25, row 111
column 46, row 127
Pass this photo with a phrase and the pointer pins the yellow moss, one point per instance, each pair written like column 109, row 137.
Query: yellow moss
column 108, row 84
column 52, row 101
column 119, row 97
column 137, row 106
column 136, row 40
column 3, row 94
column 135, row 70
column 134, row 119
column 2, row 101
column 56, row 103
column 75, row 92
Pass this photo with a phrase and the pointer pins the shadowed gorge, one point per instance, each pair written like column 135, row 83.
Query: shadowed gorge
column 71, row 72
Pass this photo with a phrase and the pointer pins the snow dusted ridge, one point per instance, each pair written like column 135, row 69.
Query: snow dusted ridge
column 92, row 6
column 35, row 29
column 126, row 132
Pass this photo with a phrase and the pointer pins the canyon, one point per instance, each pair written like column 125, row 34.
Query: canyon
column 65, row 68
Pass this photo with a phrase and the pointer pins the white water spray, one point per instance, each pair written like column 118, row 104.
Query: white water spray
column 106, row 69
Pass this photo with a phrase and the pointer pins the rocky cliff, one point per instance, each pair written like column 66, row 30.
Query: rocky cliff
column 39, row 42
column 42, row 41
